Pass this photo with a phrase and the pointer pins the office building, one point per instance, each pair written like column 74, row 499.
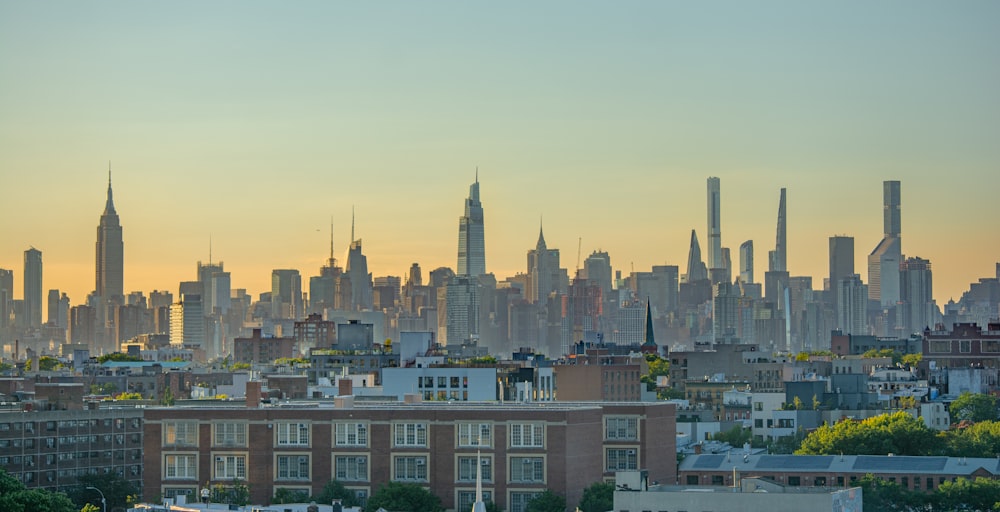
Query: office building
column 916, row 289
column 463, row 302
column 286, row 294
column 361, row 287
column 746, row 262
column 33, row 287
column 696, row 269
column 187, row 322
column 110, row 253
column 471, row 235
column 597, row 268
column 883, row 262
column 852, row 305
column 544, row 274
column 841, row 262
column 778, row 259
column 6, row 296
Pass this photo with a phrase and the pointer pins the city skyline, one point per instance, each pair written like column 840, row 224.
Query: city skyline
column 252, row 130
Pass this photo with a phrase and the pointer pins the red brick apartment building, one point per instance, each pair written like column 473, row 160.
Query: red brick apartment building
column 526, row 447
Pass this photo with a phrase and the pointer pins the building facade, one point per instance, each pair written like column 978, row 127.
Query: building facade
column 525, row 448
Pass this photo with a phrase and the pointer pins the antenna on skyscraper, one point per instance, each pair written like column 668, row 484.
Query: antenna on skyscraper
column 579, row 247
column 331, row 237
column 352, row 223
column 477, row 174
column 210, row 250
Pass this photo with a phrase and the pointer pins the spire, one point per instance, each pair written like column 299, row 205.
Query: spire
column 109, row 207
column 541, row 234
column 331, row 238
column 210, row 250
column 477, row 174
column 650, row 341
column 478, row 505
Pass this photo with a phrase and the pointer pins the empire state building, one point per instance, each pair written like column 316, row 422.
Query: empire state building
column 110, row 253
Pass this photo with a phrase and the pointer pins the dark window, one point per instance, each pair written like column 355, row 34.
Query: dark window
column 794, row 481
column 819, row 481
column 692, row 479
column 717, row 480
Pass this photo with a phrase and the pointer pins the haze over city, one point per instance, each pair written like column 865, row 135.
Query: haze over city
column 253, row 124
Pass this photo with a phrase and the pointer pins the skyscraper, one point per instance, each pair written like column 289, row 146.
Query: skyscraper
column 33, row 287
column 746, row 262
column 841, row 263
column 696, row 270
column 110, row 252
column 286, row 294
column 916, row 288
column 471, row 237
column 544, row 274
column 778, row 258
column 6, row 296
column 852, row 303
column 714, row 225
column 883, row 262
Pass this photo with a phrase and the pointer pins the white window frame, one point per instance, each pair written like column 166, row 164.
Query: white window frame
column 184, row 466
column 350, row 468
column 621, row 459
column 526, row 435
column 410, row 468
column 465, row 468
column 621, row 428
column 464, row 498
column 470, row 435
column 293, row 434
column 292, row 466
column 527, row 470
column 229, row 434
column 351, row 434
column 229, row 466
column 518, row 500
column 180, row 433
column 410, row 434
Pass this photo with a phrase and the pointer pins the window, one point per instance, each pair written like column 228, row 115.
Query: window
column 472, row 434
column 621, row 428
column 758, row 406
column 692, row 479
column 991, row 346
column 171, row 492
column 819, row 481
column 519, row 500
column 410, row 434
column 527, row 435
column 940, row 346
column 786, row 422
column 718, row 480
column 293, row 467
column 352, row 434
column 228, row 467
column 351, row 468
column 293, row 434
column 410, row 468
column 619, row 459
column 794, row 481
column 965, row 346
column 179, row 434
column 467, row 498
column 758, row 423
column 183, row 467
column 230, row 434
column 527, row 469
column 467, row 469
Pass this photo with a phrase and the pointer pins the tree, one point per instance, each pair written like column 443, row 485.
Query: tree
column 736, row 436
column 599, row 497
column 400, row 496
column 286, row 495
column 334, row 490
column 547, row 501
column 882, row 495
column 15, row 497
column 118, row 357
column 973, row 407
column 897, row 433
column 912, row 359
column 45, row 364
column 963, row 494
column 119, row 492
column 236, row 494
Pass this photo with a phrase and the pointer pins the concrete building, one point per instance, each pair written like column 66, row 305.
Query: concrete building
column 852, row 305
column 262, row 349
column 286, row 294
column 778, row 258
column 633, row 493
column 884, row 260
column 187, row 322
column 714, row 204
column 746, row 262
column 916, row 296
column 527, row 448
column 33, row 288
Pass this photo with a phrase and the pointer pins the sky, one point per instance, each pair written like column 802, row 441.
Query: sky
column 254, row 124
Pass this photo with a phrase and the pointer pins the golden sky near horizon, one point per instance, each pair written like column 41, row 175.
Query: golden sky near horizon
column 253, row 124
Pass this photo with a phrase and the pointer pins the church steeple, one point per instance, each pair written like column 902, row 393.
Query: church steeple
column 109, row 207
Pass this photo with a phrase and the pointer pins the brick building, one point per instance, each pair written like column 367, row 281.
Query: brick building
column 526, row 448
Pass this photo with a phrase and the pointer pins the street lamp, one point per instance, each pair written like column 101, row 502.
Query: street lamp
column 104, row 503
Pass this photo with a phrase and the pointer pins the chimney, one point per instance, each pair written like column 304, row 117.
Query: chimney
column 345, row 387
column 253, row 394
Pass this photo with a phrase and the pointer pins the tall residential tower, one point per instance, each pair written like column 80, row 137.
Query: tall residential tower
column 884, row 261
column 714, row 225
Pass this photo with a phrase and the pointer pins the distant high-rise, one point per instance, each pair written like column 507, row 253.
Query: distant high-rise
column 471, row 237
column 362, row 290
column 110, row 252
column 841, row 263
column 6, row 296
column 544, row 274
column 33, row 287
column 852, row 304
column 597, row 267
column 884, row 261
column 778, row 258
column 187, row 321
column 746, row 262
column 714, row 225
column 916, row 288
column 462, row 303
column 286, row 294
column 696, row 270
